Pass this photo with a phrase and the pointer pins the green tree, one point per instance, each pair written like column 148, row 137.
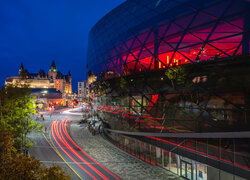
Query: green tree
column 19, row 166
column 123, row 83
column 16, row 110
column 54, row 172
column 176, row 75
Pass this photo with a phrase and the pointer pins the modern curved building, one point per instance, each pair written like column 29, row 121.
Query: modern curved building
column 173, row 84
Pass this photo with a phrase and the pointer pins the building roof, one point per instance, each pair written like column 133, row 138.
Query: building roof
column 53, row 66
column 131, row 36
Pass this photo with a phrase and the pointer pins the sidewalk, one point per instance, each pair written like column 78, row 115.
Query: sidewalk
column 114, row 159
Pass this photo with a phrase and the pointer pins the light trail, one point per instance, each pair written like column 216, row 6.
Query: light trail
column 65, row 142
column 76, row 154
column 57, row 152
column 53, row 134
column 66, row 133
column 71, row 111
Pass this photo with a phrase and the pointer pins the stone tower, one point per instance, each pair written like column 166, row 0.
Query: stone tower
column 52, row 71
column 21, row 70
column 70, row 77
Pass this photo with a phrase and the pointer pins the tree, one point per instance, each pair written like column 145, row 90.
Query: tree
column 16, row 109
column 19, row 166
column 54, row 172
column 123, row 84
column 176, row 74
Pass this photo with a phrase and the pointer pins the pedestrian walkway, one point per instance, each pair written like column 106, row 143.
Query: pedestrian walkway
column 119, row 162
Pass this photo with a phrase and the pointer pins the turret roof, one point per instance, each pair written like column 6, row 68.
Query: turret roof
column 53, row 65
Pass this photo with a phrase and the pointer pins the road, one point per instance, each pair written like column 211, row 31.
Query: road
column 56, row 146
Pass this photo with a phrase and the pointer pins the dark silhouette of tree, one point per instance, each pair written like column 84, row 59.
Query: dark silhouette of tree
column 19, row 166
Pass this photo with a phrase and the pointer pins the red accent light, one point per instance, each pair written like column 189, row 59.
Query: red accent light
column 153, row 101
column 65, row 142
column 68, row 153
column 66, row 133
column 226, row 38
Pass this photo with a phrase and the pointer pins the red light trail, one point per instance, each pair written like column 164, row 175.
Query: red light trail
column 175, row 144
column 53, row 134
column 66, row 133
column 59, row 131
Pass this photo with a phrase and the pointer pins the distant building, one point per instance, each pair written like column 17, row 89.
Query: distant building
column 82, row 89
column 48, row 97
column 53, row 79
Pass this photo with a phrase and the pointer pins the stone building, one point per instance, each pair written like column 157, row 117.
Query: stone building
column 53, row 79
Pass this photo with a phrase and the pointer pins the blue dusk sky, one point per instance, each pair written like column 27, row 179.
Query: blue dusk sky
column 37, row 31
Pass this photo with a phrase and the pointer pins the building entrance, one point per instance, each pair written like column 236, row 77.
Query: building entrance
column 186, row 170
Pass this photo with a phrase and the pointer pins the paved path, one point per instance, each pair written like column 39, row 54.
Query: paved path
column 43, row 150
column 114, row 159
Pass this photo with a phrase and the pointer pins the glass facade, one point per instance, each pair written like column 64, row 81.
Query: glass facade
column 178, row 164
column 174, row 75
column 146, row 35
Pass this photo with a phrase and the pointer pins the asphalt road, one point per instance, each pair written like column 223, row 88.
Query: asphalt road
column 56, row 146
column 44, row 150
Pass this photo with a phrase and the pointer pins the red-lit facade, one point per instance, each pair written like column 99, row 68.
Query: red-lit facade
column 175, row 48
column 173, row 86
